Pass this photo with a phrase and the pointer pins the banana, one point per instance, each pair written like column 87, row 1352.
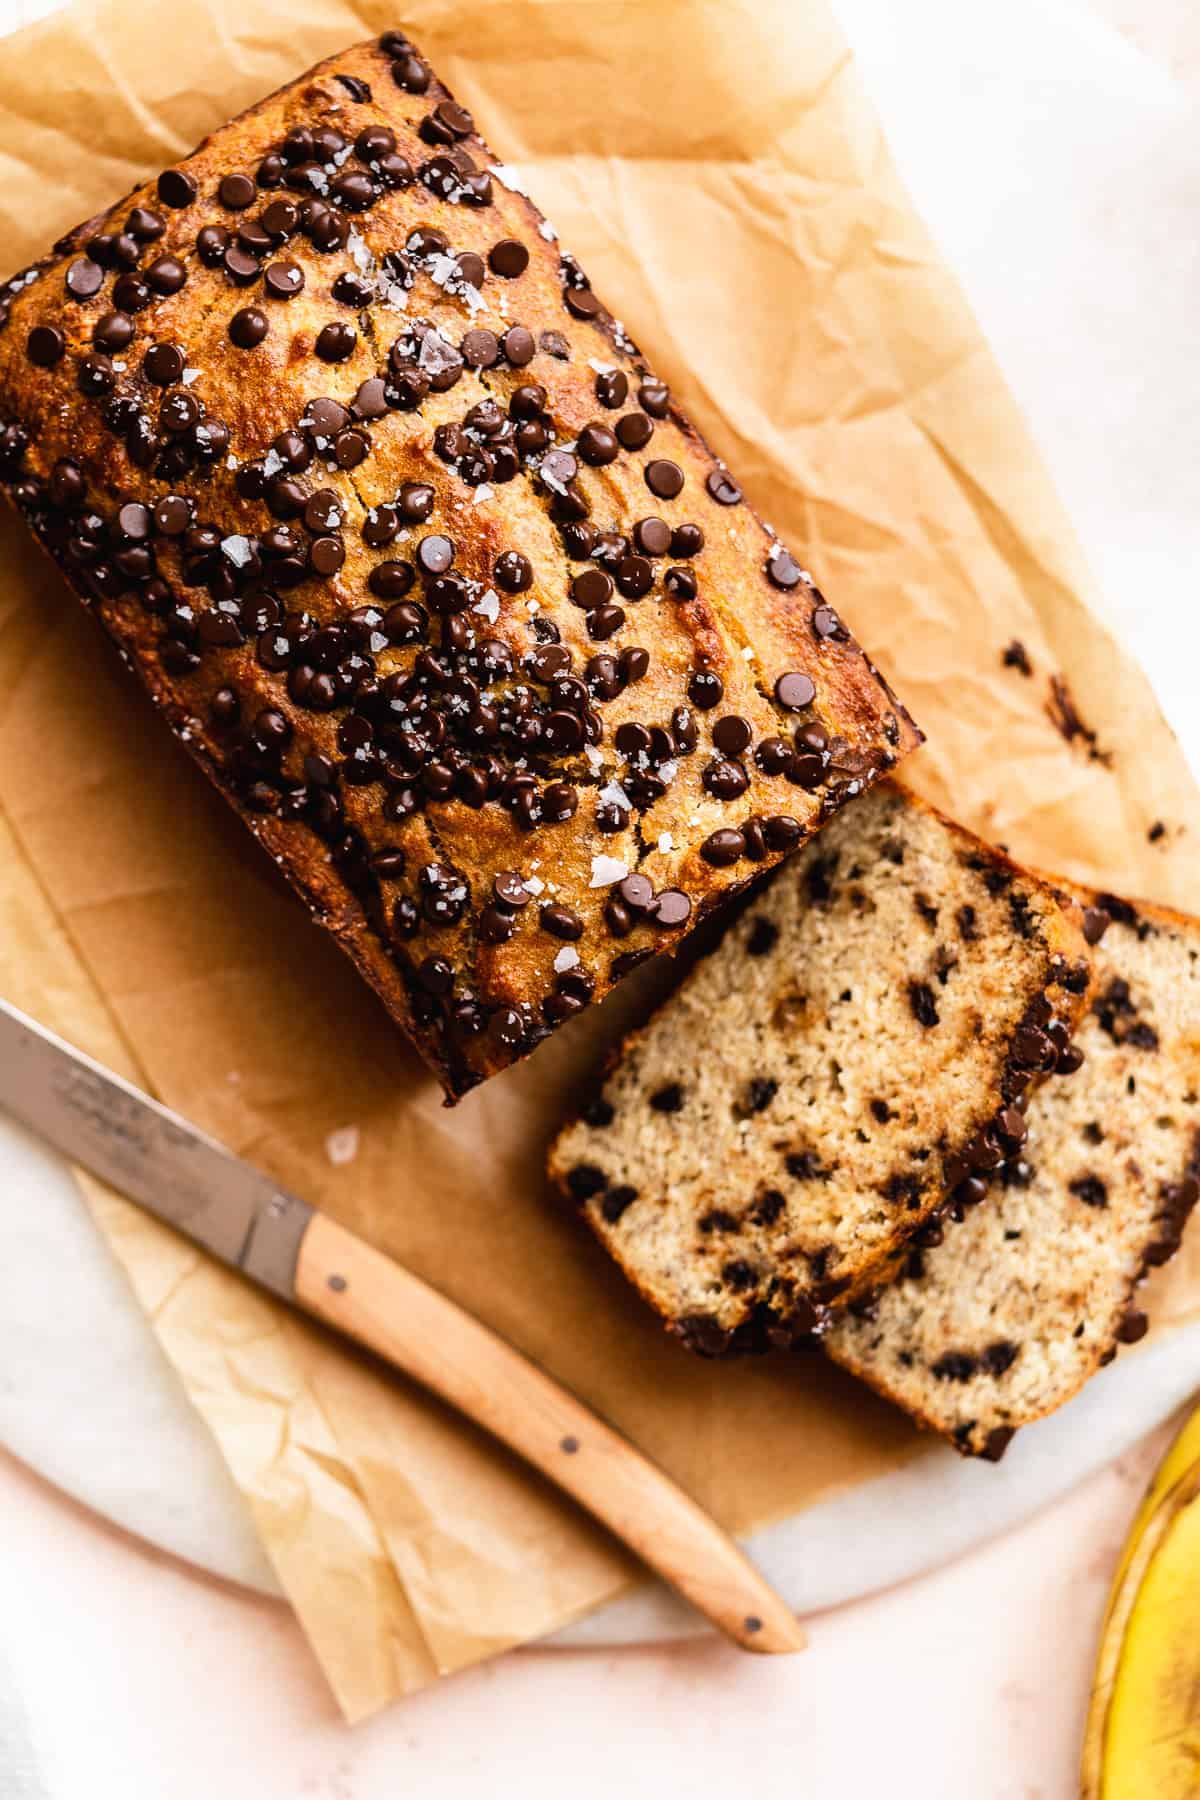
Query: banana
column 1142, row 1740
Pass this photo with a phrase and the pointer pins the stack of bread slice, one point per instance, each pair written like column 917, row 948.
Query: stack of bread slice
column 921, row 1106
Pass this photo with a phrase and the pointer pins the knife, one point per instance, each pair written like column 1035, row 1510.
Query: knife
column 191, row 1182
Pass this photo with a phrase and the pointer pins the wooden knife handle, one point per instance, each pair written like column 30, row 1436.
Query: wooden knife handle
column 366, row 1296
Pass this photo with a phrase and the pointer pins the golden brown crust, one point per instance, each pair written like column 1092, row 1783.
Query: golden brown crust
column 454, row 765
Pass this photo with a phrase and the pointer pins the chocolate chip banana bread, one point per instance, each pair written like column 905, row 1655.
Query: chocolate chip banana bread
column 420, row 561
column 855, row 1046
column 1004, row 1318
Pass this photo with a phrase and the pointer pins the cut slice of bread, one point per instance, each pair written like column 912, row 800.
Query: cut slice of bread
column 1026, row 1297
column 853, row 1047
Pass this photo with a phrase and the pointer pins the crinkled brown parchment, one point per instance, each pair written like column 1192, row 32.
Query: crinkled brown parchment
column 751, row 233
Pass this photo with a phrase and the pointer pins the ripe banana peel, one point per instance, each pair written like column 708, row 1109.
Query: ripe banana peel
column 1142, row 1740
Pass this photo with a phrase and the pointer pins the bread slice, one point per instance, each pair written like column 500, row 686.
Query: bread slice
column 800, row 1106
column 1033, row 1291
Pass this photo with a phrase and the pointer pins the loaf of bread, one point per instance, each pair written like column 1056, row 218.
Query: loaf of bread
column 999, row 1318
column 420, row 561
column 857, row 1046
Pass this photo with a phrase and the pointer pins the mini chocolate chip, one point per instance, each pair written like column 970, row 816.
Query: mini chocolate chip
column 165, row 275
column 782, row 832
column 45, row 346
column 605, row 622
column 634, row 431
column 435, row 554
column 652, row 536
column 248, row 328
column 518, row 346
column 508, row 258
column 581, row 302
column 175, row 189
column 236, row 192
column 591, row 589
column 561, row 922
column 723, row 848
column 705, row 689
column 283, row 280
column 335, row 342
column 794, row 691
column 480, row 348
column 1095, row 923
column 782, row 568
column 634, row 663
column 597, row 445
column 84, row 278
column 672, row 909
column 732, row 735
column 725, row 780
column 663, row 478
column 923, row 1005
column 826, row 624
column 612, row 387
column 723, row 488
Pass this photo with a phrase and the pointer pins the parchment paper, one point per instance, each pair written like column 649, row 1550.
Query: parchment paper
column 717, row 171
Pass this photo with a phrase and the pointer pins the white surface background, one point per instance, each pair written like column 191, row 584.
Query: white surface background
column 1054, row 150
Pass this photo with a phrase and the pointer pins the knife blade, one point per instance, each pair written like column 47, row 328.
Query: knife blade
column 149, row 1153
column 232, row 1210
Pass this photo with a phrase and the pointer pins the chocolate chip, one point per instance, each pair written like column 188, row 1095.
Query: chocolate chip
column 634, row 577
column 175, row 189
column 597, row 445
column 144, row 224
column 1090, row 1189
column 561, row 922
column 731, row 735
column 581, row 302
column 795, row 691
column 1095, row 923
column 723, row 848
column 725, row 780
column 591, row 589
column 508, row 258
column 663, row 478
column 435, row 554
column 241, row 268
column 605, row 622
column 826, row 624
column 654, row 397
column 668, row 1099
column 45, row 346
column 513, row 573
column 634, row 664
column 480, row 348
column 518, row 346
column 923, row 1005
column 705, row 689
column 612, row 387
column 84, row 278
column 236, row 192
column 335, row 342
column 634, row 431
column 248, row 327
column 782, row 568
column 782, row 832
column 723, row 488
column 283, row 280
column 326, row 555
column 672, row 909
column 687, row 540
column 163, row 364
column 172, row 515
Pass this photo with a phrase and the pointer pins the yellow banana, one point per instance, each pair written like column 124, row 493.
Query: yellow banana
column 1142, row 1740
